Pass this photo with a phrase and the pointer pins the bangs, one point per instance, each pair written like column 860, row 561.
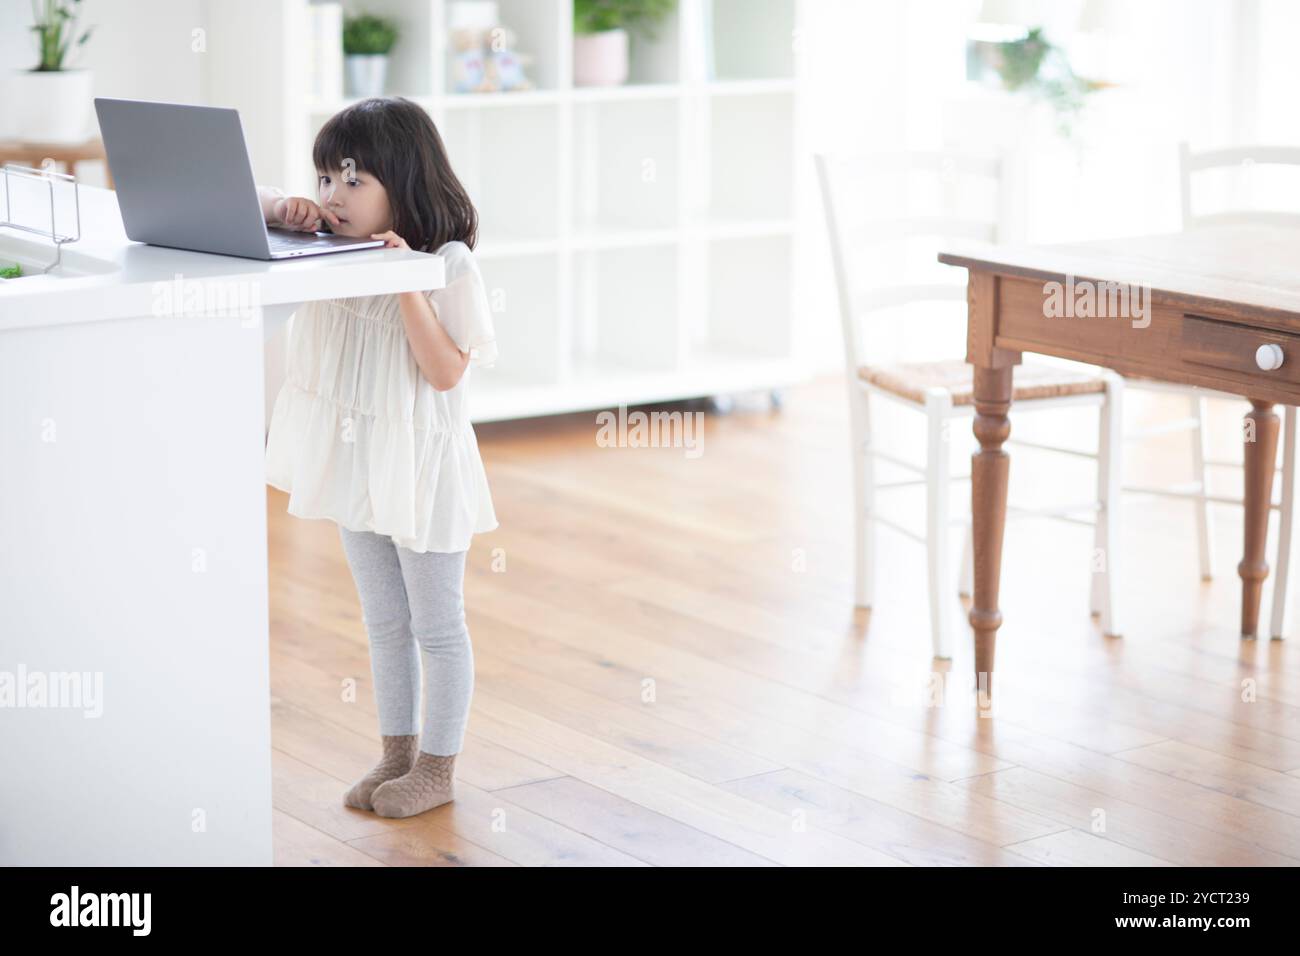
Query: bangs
column 345, row 136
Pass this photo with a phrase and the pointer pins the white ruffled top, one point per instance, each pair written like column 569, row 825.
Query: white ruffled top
column 359, row 435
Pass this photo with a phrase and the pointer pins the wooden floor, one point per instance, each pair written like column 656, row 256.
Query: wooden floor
column 669, row 671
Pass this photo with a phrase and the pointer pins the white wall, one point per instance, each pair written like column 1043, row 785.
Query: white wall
column 212, row 52
column 889, row 74
column 140, row 49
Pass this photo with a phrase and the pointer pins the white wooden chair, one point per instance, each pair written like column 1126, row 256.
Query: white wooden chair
column 1198, row 489
column 941, row 390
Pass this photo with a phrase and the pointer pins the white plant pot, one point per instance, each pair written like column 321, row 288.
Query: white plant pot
column 600, row 59
column 366, row 73
column 51, row 106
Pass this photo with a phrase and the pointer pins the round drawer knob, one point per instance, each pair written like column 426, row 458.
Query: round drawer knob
column 1269, row 357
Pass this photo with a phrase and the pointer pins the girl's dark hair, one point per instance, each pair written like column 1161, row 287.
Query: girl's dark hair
column 395, row 141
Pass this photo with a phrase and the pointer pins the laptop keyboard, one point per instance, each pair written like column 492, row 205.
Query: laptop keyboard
column 297, row 242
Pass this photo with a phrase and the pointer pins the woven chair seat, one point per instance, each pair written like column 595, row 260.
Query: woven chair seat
column 1029, row 380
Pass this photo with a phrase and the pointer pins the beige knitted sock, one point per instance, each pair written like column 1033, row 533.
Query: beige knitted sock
column 399, row 755
column 428, row 784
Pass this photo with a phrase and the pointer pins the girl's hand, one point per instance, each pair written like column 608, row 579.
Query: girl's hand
column 302, row 214
column 391, row 240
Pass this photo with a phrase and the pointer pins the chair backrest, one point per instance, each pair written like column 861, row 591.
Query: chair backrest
column 1240, row 158
column 857, row 228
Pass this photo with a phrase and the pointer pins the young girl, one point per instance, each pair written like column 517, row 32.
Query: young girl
column 371, row 430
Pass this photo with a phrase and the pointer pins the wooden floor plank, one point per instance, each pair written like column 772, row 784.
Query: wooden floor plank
column 1077, row 848
column 1222, row 774
column 298, row 844
column 1159, row 801
column 427, row 843
column 640, row 833
column 731, row 705
column 481, row 828
column 780, row 746
column 671, row 793
column 1142, row 829
column 907, row 835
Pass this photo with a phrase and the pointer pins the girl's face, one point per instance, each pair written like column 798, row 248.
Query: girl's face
column 360, row 202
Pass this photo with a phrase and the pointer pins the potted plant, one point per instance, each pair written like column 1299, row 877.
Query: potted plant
column 600, row 42
column 366, row 42
column 52, row 102
column 1038, row 67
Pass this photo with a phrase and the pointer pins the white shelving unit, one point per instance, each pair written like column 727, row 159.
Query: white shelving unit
column 637, row 242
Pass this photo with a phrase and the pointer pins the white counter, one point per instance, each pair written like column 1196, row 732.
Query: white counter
column 122, row 277
column 133, row 546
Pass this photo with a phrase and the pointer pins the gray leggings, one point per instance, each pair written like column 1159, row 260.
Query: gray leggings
column 408, row 600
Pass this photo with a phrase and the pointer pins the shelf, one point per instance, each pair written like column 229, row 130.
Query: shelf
column 751, row 154
column 417, row 37
column 513, row 190
column 637, row 241
column 734, row 371
column 602, row 384
column 621, row 237
column 582, row 94
column 737, row 228
column 506, row 100
column 323, row 109
column 749, row 87
column 536, row 25
column 590, row 385
column 625, row 305
column 652, row 61
column 752, row 39
column 616, row 237
column 626, row 164
column 506, row 248
column 747, row 297
column 630, row 91
column 524, row 294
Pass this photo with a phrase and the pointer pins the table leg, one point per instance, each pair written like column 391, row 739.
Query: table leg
column 990, row 467
column 1260, row 439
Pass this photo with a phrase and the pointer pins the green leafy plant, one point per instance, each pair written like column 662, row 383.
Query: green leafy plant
column 1021, row 59
column 1039, row 67
column 14, row 271
column 367, row 35
column 55, row 24
column 635, row 16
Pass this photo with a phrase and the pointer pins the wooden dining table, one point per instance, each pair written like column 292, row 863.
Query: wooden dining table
column 1216, row 307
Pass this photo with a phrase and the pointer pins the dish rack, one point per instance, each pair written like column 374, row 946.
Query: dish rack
column 50, row 176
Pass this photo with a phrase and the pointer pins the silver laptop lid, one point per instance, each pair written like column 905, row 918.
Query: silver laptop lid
column 183, row 176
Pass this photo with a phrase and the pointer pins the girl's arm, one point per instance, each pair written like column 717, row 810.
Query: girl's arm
column 438, row 357
column 268, row 196
column 274, row 204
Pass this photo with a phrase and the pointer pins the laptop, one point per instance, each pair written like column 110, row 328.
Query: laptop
column 184, row 180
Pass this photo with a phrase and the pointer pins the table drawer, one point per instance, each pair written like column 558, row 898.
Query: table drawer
column 1175, row 343
column 1264, row 355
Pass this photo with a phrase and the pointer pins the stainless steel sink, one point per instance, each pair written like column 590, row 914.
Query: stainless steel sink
column 34, row 255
